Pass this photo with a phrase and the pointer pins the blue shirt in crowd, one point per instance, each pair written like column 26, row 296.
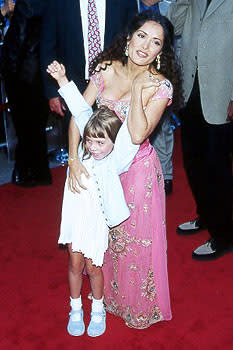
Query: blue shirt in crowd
column 160, row 7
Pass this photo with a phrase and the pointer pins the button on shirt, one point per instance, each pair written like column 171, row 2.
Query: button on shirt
column 101, row 9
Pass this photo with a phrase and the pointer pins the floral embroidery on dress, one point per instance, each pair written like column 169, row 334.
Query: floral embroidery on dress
column 121, row 108
column 131, row 206
column 133, row 267
column 156, row 314
column 146, row 242
column 159, row 176
column 148, row 186
column 131, row 190
column 148, row 286
column 120, row 241
column 114, row 287
column 139, row 320
column 133, row 223
column 116, row 241
column 142, row 320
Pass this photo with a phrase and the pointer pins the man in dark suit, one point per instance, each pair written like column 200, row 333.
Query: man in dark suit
column 63, row 38
column 24, row 89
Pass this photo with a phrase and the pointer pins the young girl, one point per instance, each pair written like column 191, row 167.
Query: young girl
column 87, row 215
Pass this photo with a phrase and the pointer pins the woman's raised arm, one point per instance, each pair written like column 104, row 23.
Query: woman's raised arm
column 144, row 113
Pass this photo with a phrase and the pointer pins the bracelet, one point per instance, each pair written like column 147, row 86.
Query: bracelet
column 71, row 159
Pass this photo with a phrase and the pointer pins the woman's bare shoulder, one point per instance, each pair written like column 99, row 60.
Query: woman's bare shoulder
column 158, row 76
column 110, row 69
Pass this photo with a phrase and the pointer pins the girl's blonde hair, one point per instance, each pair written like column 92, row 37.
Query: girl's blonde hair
column 103, row 121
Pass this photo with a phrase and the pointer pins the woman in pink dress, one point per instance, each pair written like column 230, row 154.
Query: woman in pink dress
column 131, row 76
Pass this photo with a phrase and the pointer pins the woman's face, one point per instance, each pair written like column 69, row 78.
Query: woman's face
column 146, row 43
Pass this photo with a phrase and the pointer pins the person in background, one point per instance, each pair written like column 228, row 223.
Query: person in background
column 24, row 90
column 206, row 27
column 7, row 9
column 162, row 139
column 76, row 32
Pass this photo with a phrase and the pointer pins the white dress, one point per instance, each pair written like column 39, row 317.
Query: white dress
column 83, row 223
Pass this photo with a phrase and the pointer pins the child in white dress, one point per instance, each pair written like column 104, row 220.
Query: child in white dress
column 88, row 214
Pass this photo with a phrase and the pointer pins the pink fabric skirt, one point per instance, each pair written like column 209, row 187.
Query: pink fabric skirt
column 135, row 264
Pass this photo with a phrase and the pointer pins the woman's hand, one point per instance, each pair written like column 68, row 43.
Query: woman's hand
column 76, row 169
column 58, row 72
column 146, row 80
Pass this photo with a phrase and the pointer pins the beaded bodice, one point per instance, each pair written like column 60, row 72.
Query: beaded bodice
column 121, row 107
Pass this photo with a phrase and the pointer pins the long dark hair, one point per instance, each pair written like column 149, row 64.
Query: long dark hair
column 169, row 66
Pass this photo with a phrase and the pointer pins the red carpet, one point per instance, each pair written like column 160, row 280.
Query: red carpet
column 34, row 290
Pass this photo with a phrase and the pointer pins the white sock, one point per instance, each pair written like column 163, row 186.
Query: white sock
column 76, row 304
column 97, row 306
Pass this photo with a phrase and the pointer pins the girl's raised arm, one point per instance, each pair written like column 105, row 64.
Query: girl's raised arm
column 76, row 169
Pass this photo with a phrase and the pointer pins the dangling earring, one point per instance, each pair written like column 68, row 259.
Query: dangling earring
column 158, row 62
column 127, row 51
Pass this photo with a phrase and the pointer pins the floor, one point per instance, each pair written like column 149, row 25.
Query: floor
column 6, row 167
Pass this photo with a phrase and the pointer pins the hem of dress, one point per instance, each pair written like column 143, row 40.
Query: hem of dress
column 85, row 256
column 132, row 326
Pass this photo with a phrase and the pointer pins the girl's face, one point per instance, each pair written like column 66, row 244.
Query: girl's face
column 146, row 43
column 99, row 147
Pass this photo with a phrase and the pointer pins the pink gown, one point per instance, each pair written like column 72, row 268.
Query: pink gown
column 135, row 264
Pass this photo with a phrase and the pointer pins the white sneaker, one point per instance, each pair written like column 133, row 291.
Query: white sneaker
column 205, row 249
column 190, row 227
column 209, row 250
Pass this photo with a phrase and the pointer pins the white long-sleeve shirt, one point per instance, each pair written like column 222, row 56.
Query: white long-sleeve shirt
column 107, row 170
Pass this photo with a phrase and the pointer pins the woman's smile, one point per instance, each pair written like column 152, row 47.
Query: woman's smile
column 141, row 54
